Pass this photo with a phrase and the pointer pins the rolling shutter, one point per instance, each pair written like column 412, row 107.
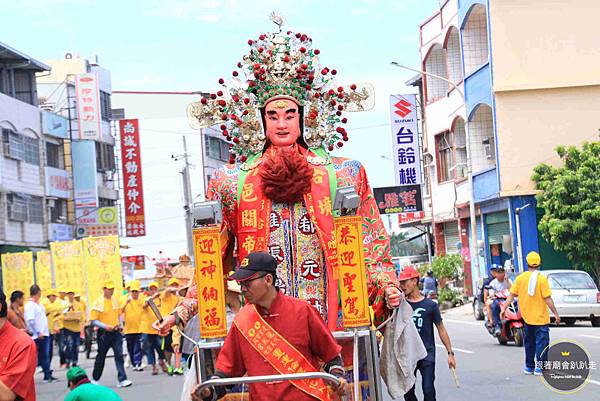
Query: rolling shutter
column 451, row 236
column 497, row 227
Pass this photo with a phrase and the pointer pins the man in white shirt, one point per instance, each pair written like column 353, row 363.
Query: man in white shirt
column 37, row 324
column 499, row 284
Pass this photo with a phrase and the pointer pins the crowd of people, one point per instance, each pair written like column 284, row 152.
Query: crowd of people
column 57, row 322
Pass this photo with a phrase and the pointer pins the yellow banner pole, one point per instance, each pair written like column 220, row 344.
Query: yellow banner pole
column 210, row 282
column 352, row 272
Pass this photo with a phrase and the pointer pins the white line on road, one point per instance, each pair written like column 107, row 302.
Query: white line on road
column 594, row 382
column 466, row 351
column 463, row 322
column 589, row 336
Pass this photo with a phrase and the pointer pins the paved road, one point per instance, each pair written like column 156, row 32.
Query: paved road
column 493, row 372
column 486, row 369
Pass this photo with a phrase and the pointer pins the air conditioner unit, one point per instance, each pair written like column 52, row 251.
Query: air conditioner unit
column 488, row 148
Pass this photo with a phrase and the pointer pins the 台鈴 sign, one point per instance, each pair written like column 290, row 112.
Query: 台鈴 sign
column 406, row 154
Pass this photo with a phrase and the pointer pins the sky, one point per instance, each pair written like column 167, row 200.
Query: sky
column 187, row 45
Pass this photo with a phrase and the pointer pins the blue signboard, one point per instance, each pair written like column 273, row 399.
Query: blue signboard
column 55, row 125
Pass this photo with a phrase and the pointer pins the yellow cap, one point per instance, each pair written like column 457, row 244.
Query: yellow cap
column 173, row 281
column 534, row 259
column 134, row 285
column 128, row 284
column 68, row 290
column 109, row 284
column 153, row 284
column 61, row 289
column 50, row 292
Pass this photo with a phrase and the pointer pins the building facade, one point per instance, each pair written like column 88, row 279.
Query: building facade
column 90, row 164
column 527, row 88
column 23, row 215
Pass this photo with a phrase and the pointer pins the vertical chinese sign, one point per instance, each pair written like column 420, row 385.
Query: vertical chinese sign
column 88, row 106
column 135, row 221
column 210, row 282
column 406, row 150
column 43, row 269
column 17, row 272
column 352, row 271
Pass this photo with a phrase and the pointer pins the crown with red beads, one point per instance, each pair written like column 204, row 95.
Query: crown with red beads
column 280, row 65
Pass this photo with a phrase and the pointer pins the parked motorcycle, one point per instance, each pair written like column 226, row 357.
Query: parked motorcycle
column 512, row 326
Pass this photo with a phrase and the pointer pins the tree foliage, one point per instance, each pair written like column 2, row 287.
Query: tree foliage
column 570, row 199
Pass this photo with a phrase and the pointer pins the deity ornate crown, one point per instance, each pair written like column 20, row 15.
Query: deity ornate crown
column 280, row 65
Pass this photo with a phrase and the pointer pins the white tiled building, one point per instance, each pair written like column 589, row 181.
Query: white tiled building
column 23, row 217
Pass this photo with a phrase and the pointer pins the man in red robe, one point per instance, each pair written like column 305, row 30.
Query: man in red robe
column 263, row 342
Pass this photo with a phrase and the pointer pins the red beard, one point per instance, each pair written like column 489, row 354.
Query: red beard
column 285, row 174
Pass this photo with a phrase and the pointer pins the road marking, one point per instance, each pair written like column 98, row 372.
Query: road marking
column 589, row 336
column 463, row 322
column 466, row 351
column 594, row 382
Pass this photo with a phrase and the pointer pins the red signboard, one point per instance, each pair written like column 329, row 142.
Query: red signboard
column 139, row 261
column 133, row 193
column 409, row 217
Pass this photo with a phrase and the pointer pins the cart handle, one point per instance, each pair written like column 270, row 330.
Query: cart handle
column 269, row 378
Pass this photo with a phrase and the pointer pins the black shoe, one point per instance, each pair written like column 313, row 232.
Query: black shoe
column 51, row 379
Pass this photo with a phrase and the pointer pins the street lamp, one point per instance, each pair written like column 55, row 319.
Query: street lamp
column 473, row 241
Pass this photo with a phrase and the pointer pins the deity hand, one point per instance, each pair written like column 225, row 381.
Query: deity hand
column 164, row 327
column 393, row 297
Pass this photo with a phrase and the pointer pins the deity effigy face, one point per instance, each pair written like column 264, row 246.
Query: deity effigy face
column 282, row 120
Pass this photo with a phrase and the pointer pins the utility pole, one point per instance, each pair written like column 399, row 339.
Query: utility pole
column 187, row 197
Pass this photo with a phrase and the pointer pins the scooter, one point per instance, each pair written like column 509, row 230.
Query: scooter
column 512, row 326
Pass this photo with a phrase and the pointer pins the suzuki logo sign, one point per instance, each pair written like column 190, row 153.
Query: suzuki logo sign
column 403, row 108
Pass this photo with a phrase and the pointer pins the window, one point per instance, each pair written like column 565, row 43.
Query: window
column 571, row 281
column 445, row 145
column 17, row 207
column 23, row 86
column 105, row 106
column 58, row 211
column 54, row 155
column 105, row 202
column 475, row 40
column 35, row 208
column 105, row 157
column 12, row 144
column 216, row 148
column 31, row 150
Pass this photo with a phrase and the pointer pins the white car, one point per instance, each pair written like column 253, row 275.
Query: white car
column 575, row 295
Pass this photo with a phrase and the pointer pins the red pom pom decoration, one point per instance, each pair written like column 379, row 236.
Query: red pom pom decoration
column 344, row 120
column 353, row 87
column 235, row 73
column 243, row 159
column 317, row 51
column 220, row 93
column 246, row 100
column 203, row 100
column 221, row 81
column 333, row 72
column 250, row 41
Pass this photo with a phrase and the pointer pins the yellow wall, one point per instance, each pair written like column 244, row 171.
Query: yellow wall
column 531, row 124
column 544, row 43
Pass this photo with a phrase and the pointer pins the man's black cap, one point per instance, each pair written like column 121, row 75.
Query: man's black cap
column 253, row 264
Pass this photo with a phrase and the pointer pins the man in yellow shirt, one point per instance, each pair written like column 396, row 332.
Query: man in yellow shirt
column 150, row 338
column 535, row 298
column 105, row 316
column 54, row 308
column 73, row 318
column 168, row 301
column 131, row 308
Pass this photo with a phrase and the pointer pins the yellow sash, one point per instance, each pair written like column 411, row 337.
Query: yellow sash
column 280, row 354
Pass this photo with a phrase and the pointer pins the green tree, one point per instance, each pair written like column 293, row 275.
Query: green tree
column 570, row 199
